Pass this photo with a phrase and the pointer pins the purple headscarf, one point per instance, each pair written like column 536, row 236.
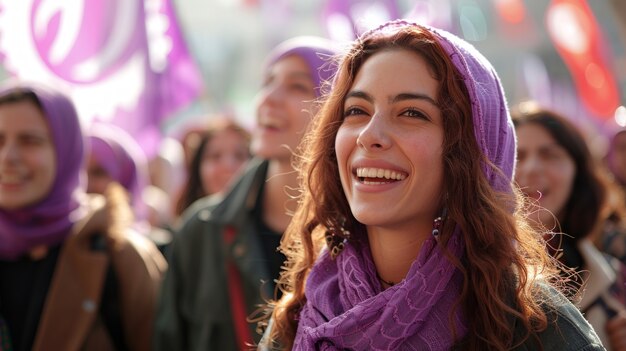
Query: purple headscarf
column 346, row 306
column 316, row 51
column 48, row 222
column 123, row 160
column 493, row 126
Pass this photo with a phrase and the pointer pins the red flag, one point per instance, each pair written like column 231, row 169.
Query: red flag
column 578, row 39
column 514, row 21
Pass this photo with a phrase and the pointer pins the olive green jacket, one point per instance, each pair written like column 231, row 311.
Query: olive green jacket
column 194, row 310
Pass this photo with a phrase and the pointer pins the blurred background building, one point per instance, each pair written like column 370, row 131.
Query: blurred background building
column 568, row 54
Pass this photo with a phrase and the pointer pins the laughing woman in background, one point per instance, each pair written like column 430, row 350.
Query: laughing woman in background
column 74, row 275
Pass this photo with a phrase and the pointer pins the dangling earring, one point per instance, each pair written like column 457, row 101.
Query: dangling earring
column 336, row 239
column 437, row 223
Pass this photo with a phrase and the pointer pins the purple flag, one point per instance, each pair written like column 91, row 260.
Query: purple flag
column 123, row 61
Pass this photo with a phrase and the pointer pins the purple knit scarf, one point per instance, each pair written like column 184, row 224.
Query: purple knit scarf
column 347, row 309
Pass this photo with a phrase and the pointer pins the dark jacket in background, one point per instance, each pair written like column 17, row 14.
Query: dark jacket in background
column 194, row 311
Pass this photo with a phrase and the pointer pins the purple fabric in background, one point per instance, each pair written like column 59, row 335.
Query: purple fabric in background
column 318, row 53
column 123, row 160
column 180, row 80
column 171, row 76
column 124, row 62
column 49, row 221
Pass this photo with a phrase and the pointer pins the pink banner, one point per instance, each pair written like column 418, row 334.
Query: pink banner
column 123, row 61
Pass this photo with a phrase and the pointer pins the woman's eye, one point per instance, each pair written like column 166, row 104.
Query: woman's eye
column 554, row 156
column 353, row 111
column 415, row 114
column 32, row 140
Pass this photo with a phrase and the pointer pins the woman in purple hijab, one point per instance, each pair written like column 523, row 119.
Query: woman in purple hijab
column 114, row 156
column 408, row 235
column 73, row 274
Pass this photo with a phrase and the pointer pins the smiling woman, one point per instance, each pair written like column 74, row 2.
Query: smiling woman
column 571, row 196
column 408, row 234
column 389, row 113
column 70, row 264
column 27, row 157
column 224, row 261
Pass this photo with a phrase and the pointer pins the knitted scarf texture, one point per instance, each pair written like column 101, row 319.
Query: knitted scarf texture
column 347, row 308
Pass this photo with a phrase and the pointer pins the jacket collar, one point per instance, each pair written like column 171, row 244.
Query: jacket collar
column 243, row 195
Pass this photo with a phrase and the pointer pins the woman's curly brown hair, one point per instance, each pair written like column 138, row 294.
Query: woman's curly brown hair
column 503, row 255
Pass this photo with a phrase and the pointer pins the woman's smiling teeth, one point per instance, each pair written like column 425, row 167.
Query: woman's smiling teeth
column 371, row 175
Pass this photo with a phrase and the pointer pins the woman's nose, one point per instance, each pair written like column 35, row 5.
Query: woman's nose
column 9, row 152
column 374, row 135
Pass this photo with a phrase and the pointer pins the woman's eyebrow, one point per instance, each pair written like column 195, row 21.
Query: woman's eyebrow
column 360, row 95
column 413, row 96
column 400, row 97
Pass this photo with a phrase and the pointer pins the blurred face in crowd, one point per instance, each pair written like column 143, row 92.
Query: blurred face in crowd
column 97, row 177
column 389, row 146
column 284, row 108
column 27, row 155
column 545, row 171
column 222, row 158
